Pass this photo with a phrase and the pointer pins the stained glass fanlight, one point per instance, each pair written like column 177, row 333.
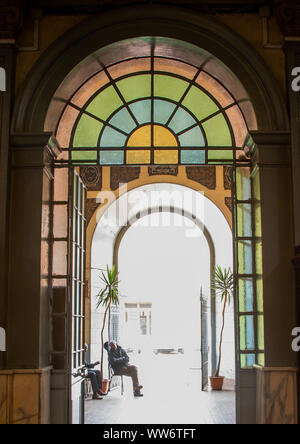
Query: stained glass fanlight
column 152, row 109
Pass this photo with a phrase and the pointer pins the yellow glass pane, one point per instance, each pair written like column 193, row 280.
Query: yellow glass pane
column 166, row 157
column 163, row 137
column 140, row 156
column 141, row 137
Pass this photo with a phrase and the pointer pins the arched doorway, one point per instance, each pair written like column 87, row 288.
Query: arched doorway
column 261, row 91
column 107, row 240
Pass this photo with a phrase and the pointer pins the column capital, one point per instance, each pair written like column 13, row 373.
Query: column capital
column 34, row 149
column 287, row 13
column 11, row 18
column 270, row 148
column 271, row 138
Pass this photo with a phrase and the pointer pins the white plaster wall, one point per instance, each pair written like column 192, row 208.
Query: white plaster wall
column 102, row 254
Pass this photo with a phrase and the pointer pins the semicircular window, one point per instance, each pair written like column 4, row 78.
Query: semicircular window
column 152, row 111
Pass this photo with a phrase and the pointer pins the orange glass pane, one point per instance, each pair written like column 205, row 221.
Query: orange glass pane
column 238, row 125
column 65, row 127
column 129, row 67
column 89, row 88
column 140, row 156
column 163, row 137
column 61, row 184
column 140, row 137
column 166, row 157
column 215, row 89
column 175, row 67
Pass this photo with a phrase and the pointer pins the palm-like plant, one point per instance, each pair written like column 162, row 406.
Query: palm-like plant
column 108, row 296
column 223, row 284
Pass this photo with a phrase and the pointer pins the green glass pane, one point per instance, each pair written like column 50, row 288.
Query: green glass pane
column 259, row 292
column 84, row 155
column 217, row 131
column 111, row 158
column 245, row 257
column 169, row 87
column 256, row 184
column 199, row 103
column 112, row 138
column 181, row 120
column 75, row 189
column 105, row 103
column 247, row 333
column 162, row 111
column 243, row 183
column 192, row 138
column 258, row 257
column 191, row 157
column 244, row 227
column 261, row 359
column 123, row 121
column 260, row 332
column 141, row 111
column 87, row 132
column 257, row 221
column 221, row 162
column 220, row 154
column 247, row 360
column 245, row 295
column 135, row 87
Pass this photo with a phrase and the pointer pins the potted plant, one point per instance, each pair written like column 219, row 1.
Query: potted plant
column 106, row 298
column 223, row 284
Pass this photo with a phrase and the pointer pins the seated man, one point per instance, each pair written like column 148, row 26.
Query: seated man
column 119, row 362
column 95, row 377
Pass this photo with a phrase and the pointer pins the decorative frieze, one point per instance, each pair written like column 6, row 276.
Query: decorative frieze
column 120, row 175
column 228, row 203
column 91, row 206
column 227, row 177
column 163, row 171
column 204, row 175
column 92, row 177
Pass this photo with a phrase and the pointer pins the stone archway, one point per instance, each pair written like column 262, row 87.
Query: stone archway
column 272, row 141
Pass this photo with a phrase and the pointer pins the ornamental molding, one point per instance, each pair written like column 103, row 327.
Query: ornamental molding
column 11, row 18
column 288, row 17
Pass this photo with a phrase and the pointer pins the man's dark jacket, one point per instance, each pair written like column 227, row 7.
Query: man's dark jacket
column 116, row 358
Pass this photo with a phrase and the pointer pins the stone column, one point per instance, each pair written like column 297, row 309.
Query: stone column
column 274, row 161
column 10, row 21
column 273, row 157
column 28, row 323
column 288, row 18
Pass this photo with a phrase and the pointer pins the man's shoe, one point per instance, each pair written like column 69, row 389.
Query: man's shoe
column 96, row 396
column 138, row 394
column 101, row 393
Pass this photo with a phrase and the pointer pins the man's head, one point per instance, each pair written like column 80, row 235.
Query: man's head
column 113, row 345
column 86, row 347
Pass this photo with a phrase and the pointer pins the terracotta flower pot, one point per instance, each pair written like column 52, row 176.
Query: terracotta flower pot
column 105, row 385
column 217, row 383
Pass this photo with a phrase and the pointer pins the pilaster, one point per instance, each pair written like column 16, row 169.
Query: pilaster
column 10, row 22
column 29, row 251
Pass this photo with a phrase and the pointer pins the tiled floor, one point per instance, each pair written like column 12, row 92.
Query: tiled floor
column 172, row 396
